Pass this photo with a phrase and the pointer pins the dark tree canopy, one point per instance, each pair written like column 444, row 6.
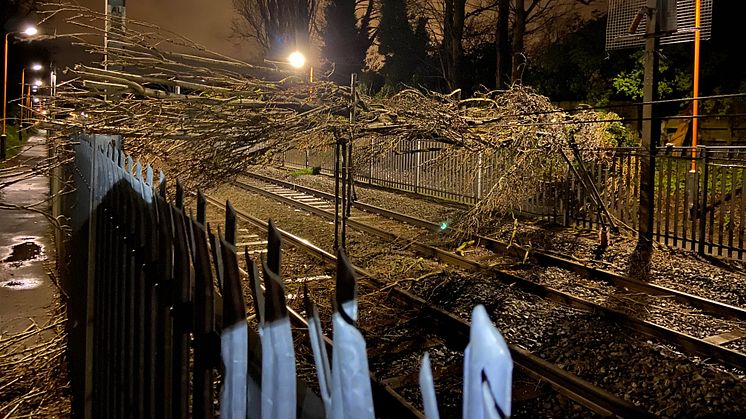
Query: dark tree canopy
column 346, row 38
column 403, row 46
column 278, row 26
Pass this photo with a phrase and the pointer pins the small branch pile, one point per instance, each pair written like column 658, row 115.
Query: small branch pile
column 207, row 117
column 33, row 375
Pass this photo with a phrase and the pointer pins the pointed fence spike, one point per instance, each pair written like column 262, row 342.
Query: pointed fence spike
column 162, row 184
column 138, row 169
column 254, row 284
column 201, row 208
column 346, row 286
column 230, row 223
column 179, row 201
column 274, row 296
column 216, row 255
column 427, row 388
column 274, row 243
column 149, row 175
column 307, row 303
column 487, row 366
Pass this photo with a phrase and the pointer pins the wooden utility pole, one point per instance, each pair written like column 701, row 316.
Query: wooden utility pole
column 651, row 128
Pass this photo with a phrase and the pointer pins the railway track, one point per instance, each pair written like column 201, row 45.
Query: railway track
column 316, row 202
column 450, row 328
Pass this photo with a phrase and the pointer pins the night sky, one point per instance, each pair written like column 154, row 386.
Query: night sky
column 207, row 22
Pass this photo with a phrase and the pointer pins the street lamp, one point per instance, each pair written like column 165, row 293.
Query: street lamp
column 34, row 67
column 28, row 31
column 298, row 60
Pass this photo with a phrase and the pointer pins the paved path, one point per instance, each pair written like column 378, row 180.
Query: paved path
column 26, row 245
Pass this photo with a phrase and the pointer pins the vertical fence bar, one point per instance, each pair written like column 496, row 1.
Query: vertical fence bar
column 720, row 206
column 658, row 209
column 667, row 211
column 90, row 293
column 731, row 211
column 677, row 180
column 151, row 301
column 182, row 315
column 164, row 371
column 742, row 221
column 417, row 168
column 702, row 213
column 713, row 196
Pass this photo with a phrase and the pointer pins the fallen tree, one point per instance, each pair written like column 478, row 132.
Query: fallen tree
column 208, row 117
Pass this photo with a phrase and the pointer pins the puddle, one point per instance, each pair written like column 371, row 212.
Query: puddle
column 23, row 252
column 21, row 284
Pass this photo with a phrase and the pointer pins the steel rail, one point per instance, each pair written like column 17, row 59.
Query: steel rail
column 570, row 385
column 544, row 258
column 688, row 343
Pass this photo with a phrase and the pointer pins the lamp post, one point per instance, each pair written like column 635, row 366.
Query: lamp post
column 297, row 60
column 29, row 31
column 34, row 67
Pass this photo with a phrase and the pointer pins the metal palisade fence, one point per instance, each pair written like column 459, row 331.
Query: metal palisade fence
column 159, row 323
column 701, row 210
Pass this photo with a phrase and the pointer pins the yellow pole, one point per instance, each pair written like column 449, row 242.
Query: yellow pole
column 20, row 102
column 28, row 102
column 5, row 82
column 695, row 103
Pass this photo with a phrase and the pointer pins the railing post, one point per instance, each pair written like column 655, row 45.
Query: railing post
column 90, row 287
column 417, row 163
column 370, row 166
column 702, row 213
column 478, row 195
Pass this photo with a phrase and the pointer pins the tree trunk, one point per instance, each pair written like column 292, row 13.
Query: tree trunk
column 502, row 43
column 453, row 31
column 459, row 10
column 448, row 69
column 519, row 31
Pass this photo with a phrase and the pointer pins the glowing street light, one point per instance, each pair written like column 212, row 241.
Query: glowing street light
column 34, row 67
column 38, row 82
column 30, row 31
column 297, row 59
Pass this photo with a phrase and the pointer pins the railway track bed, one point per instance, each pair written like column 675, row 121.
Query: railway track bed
column 648, row 312
column 672, row 268
column 396, row 339
column 572, row 338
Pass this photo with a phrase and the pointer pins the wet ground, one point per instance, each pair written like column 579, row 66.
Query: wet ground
column 26, row 291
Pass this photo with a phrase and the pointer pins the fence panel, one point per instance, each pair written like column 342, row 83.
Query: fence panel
column 146, row 257
column 679, row 197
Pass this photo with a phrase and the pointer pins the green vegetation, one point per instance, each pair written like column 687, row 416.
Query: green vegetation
column 313, row 170
column 13, row 144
